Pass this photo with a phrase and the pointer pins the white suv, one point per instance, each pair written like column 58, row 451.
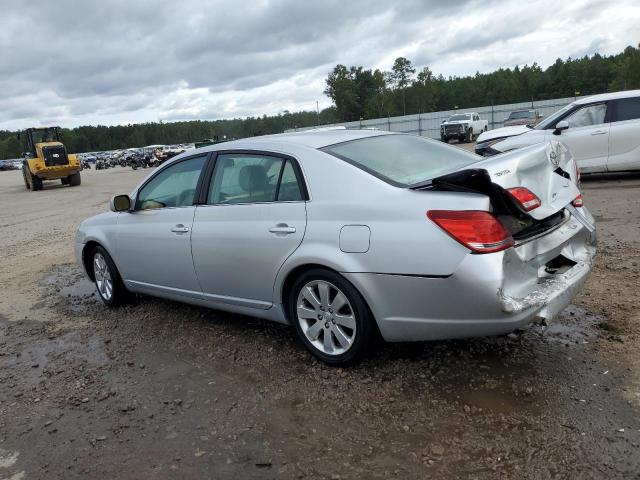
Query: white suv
column 602, row 131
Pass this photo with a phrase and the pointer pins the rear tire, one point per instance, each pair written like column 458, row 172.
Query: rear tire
column 74, row 180
column 330, row 317
column 107, row 280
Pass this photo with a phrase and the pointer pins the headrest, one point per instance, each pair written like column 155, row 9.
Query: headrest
column 227, row 162
column 253, row 177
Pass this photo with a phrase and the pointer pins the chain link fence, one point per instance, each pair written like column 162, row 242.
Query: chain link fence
column 428, row 124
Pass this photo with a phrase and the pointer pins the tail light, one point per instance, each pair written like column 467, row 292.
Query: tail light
column 578, row 201
column 525, row 197
column 479, row 231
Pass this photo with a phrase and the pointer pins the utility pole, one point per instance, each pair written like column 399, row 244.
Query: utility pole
column 318, row 112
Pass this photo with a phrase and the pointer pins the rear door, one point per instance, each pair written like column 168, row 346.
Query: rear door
column 624, row 136
column 253, row 218
column 154, row 239
column 588, row 136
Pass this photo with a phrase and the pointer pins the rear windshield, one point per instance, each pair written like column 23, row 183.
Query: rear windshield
column 515, row 115
column 402, row 160
column 460, row 116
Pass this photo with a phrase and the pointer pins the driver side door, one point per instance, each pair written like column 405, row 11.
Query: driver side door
column 153, row 243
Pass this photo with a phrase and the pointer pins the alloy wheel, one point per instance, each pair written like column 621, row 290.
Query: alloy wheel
column 103, row 276
column 326, row 317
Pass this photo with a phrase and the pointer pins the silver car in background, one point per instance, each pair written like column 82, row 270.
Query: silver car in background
column 349, row 235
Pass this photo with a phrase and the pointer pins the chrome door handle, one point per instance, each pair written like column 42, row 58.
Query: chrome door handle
column 599, row 132
column 282, row 228
column 180, row 228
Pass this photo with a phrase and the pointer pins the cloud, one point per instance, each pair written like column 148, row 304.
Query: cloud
column 119, row 61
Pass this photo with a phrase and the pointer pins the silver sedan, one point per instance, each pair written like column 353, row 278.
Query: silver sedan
column 349, row 235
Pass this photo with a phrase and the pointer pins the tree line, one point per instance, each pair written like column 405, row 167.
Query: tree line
column 360, row 93
column 100, row 137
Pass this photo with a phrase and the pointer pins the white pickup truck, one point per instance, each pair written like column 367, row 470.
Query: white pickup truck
column 463, row 126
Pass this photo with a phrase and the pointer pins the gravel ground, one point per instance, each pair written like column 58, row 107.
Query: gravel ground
column 163, row 390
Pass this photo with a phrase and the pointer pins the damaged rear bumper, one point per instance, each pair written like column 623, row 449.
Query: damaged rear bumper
column 489, row 294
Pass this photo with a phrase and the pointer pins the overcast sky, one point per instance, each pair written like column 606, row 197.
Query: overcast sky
column 107, row 62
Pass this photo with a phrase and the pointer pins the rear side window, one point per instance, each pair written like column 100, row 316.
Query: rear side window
column 402, row 160
column 289, row 190
column 627, row 109
column 253, row 178
column 242, row 178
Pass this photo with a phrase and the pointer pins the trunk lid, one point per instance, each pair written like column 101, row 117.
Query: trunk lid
column 548, row 170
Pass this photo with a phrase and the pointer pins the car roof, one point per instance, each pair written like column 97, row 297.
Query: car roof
column 309, row 138
column 608, row 96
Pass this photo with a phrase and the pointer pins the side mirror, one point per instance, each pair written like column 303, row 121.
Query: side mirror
column 120, row 203
column 560, row 126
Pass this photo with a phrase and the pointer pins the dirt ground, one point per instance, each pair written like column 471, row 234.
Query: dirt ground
column 160, row 390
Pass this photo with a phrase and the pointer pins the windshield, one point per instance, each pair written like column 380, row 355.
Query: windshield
column 402, row 160
column 459, row 116
column 44, row 135
column 522, row 114
column 551, row 119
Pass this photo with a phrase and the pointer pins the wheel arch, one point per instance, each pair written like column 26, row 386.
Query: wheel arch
column 87, row 252
column 293, row 274
column 291, row 277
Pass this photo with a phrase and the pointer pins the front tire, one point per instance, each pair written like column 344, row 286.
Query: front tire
column 26, row 179
column 330, row 317
column 469, row 136
column 111, row 289
column 36, row 183
column 74, row 180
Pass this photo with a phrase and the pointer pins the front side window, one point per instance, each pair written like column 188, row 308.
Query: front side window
column 550, row 121
column 174, row 186
column 402, row 160
column 587, row 116
column 627, row 109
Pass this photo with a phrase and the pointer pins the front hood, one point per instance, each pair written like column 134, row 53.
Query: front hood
column 536, row 168
column 456, row 122
column 503, row 132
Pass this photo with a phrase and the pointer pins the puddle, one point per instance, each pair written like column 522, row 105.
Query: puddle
column 68, row 282
column 574, row 325
column 71, row 349
column 494, row 401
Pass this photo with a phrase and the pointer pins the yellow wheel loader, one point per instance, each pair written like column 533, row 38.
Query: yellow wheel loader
column 46, row 158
